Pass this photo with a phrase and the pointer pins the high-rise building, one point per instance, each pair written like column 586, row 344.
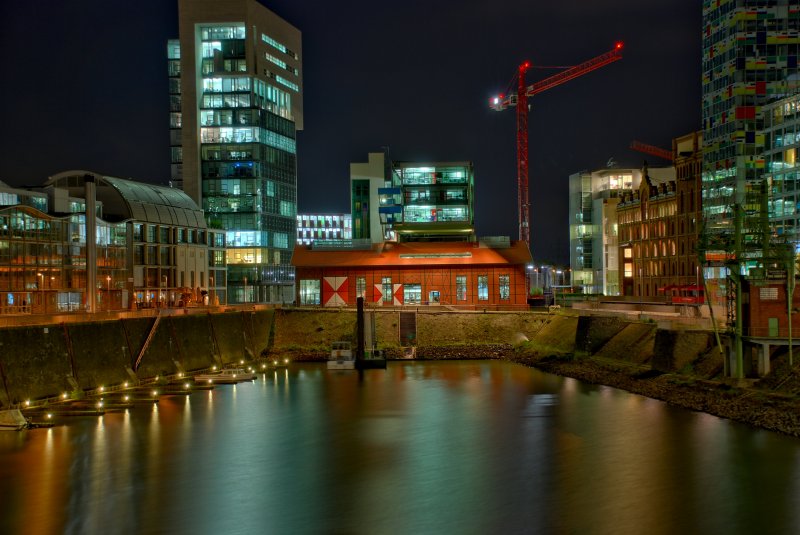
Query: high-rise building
column 235, row 108
column 750, row 53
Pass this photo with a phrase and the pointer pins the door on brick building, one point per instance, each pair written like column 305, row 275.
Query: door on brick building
column 773, row 326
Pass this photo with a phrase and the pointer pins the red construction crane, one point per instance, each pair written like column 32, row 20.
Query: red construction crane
column 652, row 150
column 502, row 102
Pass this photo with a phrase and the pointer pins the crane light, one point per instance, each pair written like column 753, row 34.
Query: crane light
column 618, row 46
column 496, row 100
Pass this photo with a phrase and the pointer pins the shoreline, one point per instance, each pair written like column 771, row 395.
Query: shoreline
column 758, row 408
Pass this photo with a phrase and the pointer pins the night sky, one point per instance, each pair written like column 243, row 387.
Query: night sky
column 85, row 87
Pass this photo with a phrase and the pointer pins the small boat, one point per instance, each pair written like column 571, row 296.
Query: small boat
column 341, row 357
column 226, row 376
column 375, row 359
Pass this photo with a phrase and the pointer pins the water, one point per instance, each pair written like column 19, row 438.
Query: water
column 452, row 447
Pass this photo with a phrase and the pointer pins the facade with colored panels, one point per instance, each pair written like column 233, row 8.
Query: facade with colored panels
column 235, row 107
column 461, row 274
column 750, row 59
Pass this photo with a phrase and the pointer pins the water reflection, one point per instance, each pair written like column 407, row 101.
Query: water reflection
column 453, row 447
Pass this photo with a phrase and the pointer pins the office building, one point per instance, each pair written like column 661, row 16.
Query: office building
column 782, row 129
column 593, row 228
column 153, row 248
column 330, row 228
column 750, row 59
column 235, row 107
column 412, row 201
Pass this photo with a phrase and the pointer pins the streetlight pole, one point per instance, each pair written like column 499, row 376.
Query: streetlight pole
column 108, row 290
column 555, row 290
column 40, row 287
column 244, row 297
column 163, row 295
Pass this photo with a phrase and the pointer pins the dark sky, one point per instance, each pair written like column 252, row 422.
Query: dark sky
column 84, row 85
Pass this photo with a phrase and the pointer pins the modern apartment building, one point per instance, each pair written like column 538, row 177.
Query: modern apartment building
column 412, row 201
column 235, row 108
column 750, row 59
column 593, row 198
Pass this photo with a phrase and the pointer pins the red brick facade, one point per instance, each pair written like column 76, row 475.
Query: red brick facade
column 462, row 275
column 764, row 309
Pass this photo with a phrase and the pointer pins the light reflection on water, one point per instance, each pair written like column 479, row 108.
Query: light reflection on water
column 452, row 447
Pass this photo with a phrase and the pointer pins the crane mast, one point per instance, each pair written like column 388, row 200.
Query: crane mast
column 520, row 100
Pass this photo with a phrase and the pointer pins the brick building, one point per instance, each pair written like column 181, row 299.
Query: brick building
column 659, row 226
column 485, row 274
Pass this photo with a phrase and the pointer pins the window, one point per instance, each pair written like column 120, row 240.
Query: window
column 386, row 284
column 483, row 288
column 361, row 287
column 628, row 269
column 309, row 292
column 461, row 287
column 505, row 287
column 412, row 293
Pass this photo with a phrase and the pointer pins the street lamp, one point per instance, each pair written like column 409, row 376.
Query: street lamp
column 163, row 290
column 244, row 297
column 211, row 287
column 558, row 280
column 40, row 286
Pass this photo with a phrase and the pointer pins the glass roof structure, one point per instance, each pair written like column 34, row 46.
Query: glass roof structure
column 126, row 199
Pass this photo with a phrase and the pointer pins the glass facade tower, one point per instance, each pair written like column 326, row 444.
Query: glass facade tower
column 235, row 110
column 750, row 52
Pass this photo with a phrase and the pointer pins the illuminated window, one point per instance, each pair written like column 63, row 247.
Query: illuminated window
column 505, row 287
column 412, row 293
column 309, row 292
column 461, row 287
column 628, row 269
column 283, row 81
column 386, row 284
column 483, row 287
column 361, row 287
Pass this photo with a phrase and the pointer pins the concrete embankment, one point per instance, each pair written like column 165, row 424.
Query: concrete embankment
column 46, row 360
column 682, row 367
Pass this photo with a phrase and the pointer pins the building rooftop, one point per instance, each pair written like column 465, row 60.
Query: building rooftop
column 414, row 254
column 125, row 199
